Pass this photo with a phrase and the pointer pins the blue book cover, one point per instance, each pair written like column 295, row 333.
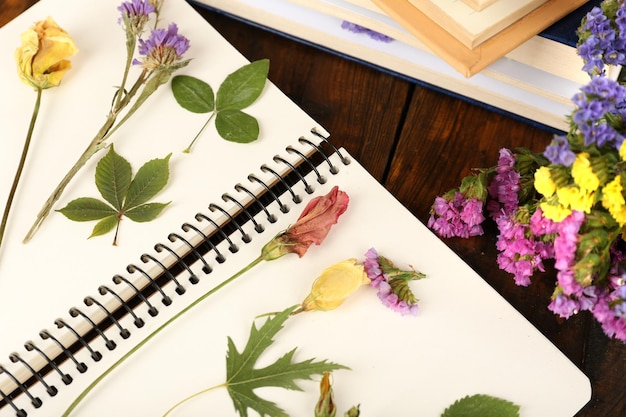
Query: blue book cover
column 564, row 30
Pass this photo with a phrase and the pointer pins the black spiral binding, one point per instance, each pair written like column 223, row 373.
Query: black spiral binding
column 230, row 231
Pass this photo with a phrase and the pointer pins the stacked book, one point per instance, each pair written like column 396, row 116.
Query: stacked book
column 472, row 34
column 516, row 56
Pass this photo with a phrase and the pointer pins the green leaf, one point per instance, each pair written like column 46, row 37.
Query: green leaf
column 193, row 94
column 150, row 179
column 481, row 405
column 242, row 87
column 237, row 126
column 86, row 209
column 113, row 176
column 242, row 378
column 127, row 195
column 145, row 212
column 105, row 225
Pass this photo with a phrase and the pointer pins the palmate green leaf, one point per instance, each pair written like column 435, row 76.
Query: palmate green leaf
column 242, row 87
column 127, row 196
column 237, row 126
column 193, row 94
column 87, row 209
column 145, row 212
column 105, row 225
column 113, row 177
column 481, row 405
column 242, row 378
column 150, row 179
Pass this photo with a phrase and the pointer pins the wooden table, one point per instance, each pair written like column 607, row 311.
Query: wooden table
column 419, row 143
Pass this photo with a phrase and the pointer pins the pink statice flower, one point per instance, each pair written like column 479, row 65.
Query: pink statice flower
column 565, row 245
column 524, row 246
column 610, row 310
column 504, row 187
column 457, row 216
column 391, row 283
column 564, row 306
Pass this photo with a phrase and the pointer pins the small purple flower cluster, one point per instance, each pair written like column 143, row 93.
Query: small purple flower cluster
column 607, row 304
column 522, row 249
column 505, row 186
column 558, row 152
column 602, row 37
column 597, row 104
column 457, row 216
column 610, row 307
column 404, row 303
column 354, row 28
column 135, row 14
column 163, row 48
column 569, row 291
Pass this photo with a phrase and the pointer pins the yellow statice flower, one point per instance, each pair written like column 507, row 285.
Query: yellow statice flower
column 334, row 285
column 613, row 200
column 575, row 198
column 622, row 151
column 42, row 57
column 554, row 211
column 543, row 182
column 583, row 174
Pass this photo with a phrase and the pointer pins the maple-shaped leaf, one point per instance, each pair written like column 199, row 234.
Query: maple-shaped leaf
column 242, row 378
column 124, row 195
column 481, row 405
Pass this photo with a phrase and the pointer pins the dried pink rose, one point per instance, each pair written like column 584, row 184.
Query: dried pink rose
column 312, row 226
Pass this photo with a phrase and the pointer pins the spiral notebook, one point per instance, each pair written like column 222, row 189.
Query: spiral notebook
column 72, row 306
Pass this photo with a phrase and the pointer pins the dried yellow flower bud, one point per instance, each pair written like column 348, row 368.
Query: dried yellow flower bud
column 334, row 285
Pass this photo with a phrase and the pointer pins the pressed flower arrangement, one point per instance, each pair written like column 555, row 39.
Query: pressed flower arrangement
column 567, row 204
column 161, row 55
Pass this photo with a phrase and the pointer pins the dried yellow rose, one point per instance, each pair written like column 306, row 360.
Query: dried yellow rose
column 42, row 57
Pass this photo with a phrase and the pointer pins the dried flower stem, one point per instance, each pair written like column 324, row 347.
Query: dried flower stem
column 96, row 144
column 20, row 167
column 192, row 396
column 193, row 141
column 155, row 332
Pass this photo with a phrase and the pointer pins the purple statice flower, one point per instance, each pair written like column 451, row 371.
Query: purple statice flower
column 457, row 216
column 610, row 308
column 372, row 268
column 542, row 226
column 520, row 253
column 163, row 48
column 602, row 39
column 135, row 14
column 391, row 283
column 565, row 245
column 354, row 28
column 564, row 306
column 558, row 152
column 390, row 299
column 505, row 186
column 599, row 102
column 588, row 298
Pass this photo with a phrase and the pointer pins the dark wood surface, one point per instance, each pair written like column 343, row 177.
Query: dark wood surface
column 419, row 143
